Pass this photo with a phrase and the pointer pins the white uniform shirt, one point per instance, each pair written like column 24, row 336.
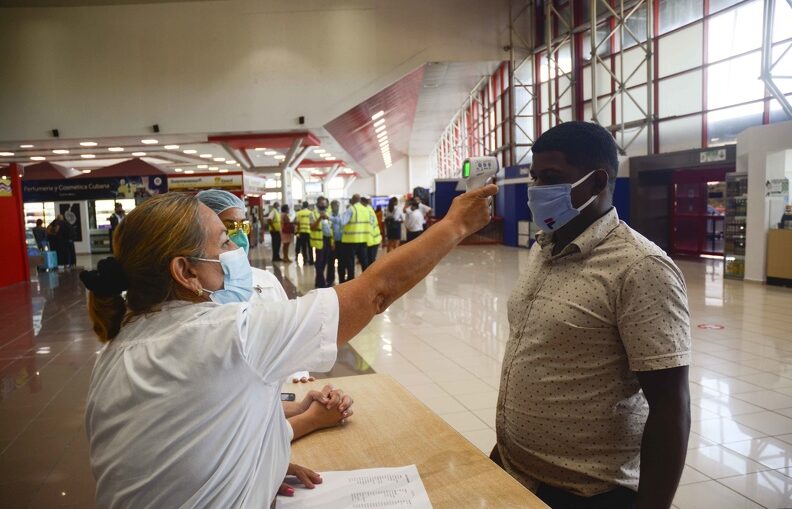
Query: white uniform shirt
column 397, row 214
column 184, row 405
column 414, row 220
column 266, row 287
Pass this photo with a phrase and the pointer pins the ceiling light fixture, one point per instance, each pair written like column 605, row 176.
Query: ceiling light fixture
column 203, row 166
column 88, row 143
column 116, row 149
column 319, row 150
column 230, row 161
column 149, row 141
column 206, row 156
column 178, row 170
column 38, row 158
column 383, row 142
column 213, row 168
column 190, row 151
column 189, row 172
column 171, row 147
column 270, row 153
column 60, row 151
column 383, row 134
column 86, row 171
column 377, row 115
column 260, row 148
column 6, row 154
column 26, row 146
column 280, row 157
column 87, row 156
column 380, row 129
column 223, row 171
column 379, row 122
column 138, row 154
column 218, row 159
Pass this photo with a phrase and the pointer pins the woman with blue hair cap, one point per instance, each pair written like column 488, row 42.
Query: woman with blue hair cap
column 231, row 211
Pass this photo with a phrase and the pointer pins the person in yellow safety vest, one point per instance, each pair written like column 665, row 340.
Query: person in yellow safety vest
column 321, row 240
column 275, row 231
column 303, row 220
column 375, row 235
column 355, row 235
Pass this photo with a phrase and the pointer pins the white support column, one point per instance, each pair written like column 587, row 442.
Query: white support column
column 330, row 176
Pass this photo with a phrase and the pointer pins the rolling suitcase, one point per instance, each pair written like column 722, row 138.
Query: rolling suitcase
column 49, row 261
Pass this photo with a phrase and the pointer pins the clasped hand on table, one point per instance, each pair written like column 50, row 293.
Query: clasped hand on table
column 318, row 410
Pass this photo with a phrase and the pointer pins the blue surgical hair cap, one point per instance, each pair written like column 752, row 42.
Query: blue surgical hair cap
column 220, row 201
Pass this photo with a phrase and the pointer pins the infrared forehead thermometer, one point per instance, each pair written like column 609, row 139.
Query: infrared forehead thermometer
column 476, row 171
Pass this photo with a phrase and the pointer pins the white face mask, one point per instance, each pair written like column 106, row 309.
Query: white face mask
column 237, row 277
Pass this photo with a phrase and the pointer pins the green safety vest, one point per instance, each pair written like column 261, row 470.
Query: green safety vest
column 375, row 237
column 317, row 236
column 304, row 221
column 275, row 224
column 358, row 229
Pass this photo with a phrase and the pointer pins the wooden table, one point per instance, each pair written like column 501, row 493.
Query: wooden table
column 391, row 428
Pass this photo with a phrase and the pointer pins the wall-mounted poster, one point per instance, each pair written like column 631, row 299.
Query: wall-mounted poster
column 71, row 213
column 5, row 186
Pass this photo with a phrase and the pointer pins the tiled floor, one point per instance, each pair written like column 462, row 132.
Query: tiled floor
column 443, row 341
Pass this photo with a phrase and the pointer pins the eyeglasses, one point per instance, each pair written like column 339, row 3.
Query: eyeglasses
column 235, row 226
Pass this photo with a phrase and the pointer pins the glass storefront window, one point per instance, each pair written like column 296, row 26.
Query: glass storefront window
column 39, row 210
column 103, row 209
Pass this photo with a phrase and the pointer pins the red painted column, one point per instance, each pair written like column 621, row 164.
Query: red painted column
column 13, row 255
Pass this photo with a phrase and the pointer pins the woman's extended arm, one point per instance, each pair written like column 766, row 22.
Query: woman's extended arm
column 393, row 275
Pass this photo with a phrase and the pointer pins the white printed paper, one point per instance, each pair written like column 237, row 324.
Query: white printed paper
column 371, row 488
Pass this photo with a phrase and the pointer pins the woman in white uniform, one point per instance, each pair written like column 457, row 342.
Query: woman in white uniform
column 184, row 401
column 231, row 211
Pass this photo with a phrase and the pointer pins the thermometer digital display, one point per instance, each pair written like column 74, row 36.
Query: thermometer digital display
column 476, row 171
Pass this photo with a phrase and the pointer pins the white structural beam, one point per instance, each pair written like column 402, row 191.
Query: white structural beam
column 769, row 63
column 622, row 35
column 522, row 82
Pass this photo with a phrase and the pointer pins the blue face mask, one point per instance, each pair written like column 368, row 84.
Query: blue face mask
column 237, row 278
column 241, row 240
column 551, row 206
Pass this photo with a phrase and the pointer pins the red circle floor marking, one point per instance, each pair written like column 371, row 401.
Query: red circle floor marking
column 714, row 326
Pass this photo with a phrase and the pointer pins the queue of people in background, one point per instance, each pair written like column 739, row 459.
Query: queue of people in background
column 415, row 215
column 58, row 236
column 353, row 237
column 393, row 219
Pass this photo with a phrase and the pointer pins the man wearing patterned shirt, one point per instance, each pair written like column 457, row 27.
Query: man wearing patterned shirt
column 594, row 407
